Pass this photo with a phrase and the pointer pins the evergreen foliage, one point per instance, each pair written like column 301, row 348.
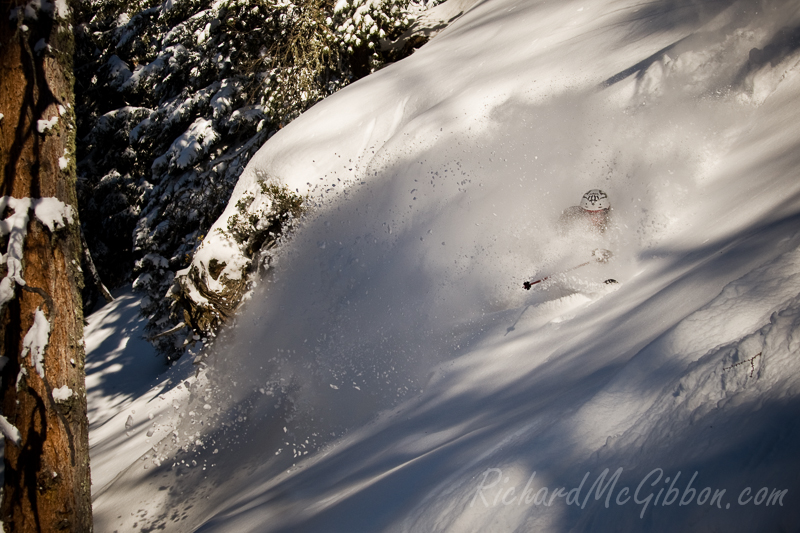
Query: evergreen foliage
column 173, row 99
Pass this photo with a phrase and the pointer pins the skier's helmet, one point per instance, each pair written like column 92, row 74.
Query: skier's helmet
column 595, row 200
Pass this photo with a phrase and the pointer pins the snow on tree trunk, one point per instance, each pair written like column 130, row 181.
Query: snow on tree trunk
column 47, row 483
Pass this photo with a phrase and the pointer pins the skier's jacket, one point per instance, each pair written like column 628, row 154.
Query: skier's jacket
column 576, row 217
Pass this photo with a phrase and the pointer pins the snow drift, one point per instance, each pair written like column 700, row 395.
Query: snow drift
column 391, row 375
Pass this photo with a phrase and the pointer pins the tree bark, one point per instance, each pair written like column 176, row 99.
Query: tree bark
column 47, row 483
column 95, row 275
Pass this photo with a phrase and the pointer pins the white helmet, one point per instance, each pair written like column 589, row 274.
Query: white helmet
column 595, row 200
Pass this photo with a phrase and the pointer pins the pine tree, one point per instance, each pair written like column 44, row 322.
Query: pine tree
column 47, row 483
column 174, row 98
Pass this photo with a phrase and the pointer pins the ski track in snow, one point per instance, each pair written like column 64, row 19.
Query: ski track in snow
column 392, row 375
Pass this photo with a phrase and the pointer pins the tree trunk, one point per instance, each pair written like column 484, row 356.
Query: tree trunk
column 47, row 483
column 93, row 273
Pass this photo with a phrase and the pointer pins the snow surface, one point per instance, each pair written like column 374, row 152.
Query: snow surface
column 392, row 375
column 127, row 380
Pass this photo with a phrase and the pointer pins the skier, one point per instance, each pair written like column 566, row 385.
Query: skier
column 593, row 213
column 599, row 255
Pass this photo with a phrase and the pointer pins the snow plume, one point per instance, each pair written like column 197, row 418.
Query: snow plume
column 36, row 340
column 412, row 259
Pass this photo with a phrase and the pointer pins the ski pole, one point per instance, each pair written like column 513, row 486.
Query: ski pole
column 600, row 255
column 529, row 284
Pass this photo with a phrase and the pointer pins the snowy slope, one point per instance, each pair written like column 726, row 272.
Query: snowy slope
column 392, row 375
column 134, row 400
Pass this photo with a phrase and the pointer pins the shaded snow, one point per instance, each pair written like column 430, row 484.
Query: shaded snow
column 118, row 71
column 127, row 380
